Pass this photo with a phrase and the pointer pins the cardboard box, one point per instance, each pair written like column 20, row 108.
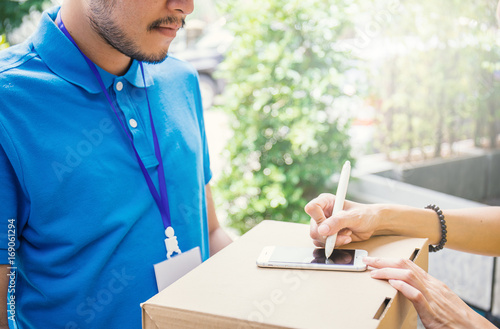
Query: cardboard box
column 230, row 291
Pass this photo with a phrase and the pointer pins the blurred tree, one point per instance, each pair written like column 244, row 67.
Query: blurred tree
column 437, row 83
column 13, row 11
column 282, row 78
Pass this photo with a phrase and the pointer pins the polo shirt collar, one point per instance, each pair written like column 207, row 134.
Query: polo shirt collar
column 134, row 75
column 64, row 59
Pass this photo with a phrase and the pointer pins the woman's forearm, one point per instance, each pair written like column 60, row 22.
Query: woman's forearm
column 474, row 230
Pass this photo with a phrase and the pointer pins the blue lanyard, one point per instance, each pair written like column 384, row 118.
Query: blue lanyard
column 162, row 198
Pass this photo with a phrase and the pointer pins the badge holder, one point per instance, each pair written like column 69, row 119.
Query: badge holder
column 176, row 266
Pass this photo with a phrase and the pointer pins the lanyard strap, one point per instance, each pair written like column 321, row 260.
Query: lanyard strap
column 161, row 199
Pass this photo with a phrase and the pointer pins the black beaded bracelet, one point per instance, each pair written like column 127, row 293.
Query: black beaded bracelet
column 442, row 222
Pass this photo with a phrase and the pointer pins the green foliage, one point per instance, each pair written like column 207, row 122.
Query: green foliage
column 437, row 83
column 282, row 77
column 13, row 11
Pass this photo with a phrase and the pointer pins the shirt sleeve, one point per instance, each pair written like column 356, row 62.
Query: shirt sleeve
column 10, row 201
column 206, row 159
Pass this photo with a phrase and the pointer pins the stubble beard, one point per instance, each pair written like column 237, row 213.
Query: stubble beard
column 100, row 17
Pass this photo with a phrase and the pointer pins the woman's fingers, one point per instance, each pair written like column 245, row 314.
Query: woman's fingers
column 393, row 263
column 403, row 270
column 342, row 240
column 319, row 240
column 343, row 237
column 321, row 207
column 414, row 295
column 437, row 305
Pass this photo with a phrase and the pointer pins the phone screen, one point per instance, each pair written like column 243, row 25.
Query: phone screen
column 311, row 255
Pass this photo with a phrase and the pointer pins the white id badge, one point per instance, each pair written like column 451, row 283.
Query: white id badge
column 172, row 269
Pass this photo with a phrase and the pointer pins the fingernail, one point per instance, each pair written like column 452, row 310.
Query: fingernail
column 373, row 273
column 323, row 229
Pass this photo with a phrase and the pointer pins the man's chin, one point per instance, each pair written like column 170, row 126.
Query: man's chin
column 151, row 59
column 155, row 60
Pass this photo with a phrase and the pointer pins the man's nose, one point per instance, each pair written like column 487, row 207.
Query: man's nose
column 185, row 7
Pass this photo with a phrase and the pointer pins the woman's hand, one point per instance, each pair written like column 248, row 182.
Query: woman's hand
column 436, row 304
column 357, row 222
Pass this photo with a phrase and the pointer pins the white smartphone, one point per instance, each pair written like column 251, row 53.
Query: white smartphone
column 312, row 258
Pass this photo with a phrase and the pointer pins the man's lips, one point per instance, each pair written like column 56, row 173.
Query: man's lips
column 171, row 26
column 168, row 31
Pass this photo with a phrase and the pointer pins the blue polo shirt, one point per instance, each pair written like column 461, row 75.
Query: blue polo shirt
column 73, row 200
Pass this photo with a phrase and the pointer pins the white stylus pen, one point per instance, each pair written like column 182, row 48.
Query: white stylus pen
column 339, row 204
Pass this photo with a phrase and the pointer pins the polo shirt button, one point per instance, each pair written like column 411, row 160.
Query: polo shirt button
column 132, row 123
column 119, row 86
